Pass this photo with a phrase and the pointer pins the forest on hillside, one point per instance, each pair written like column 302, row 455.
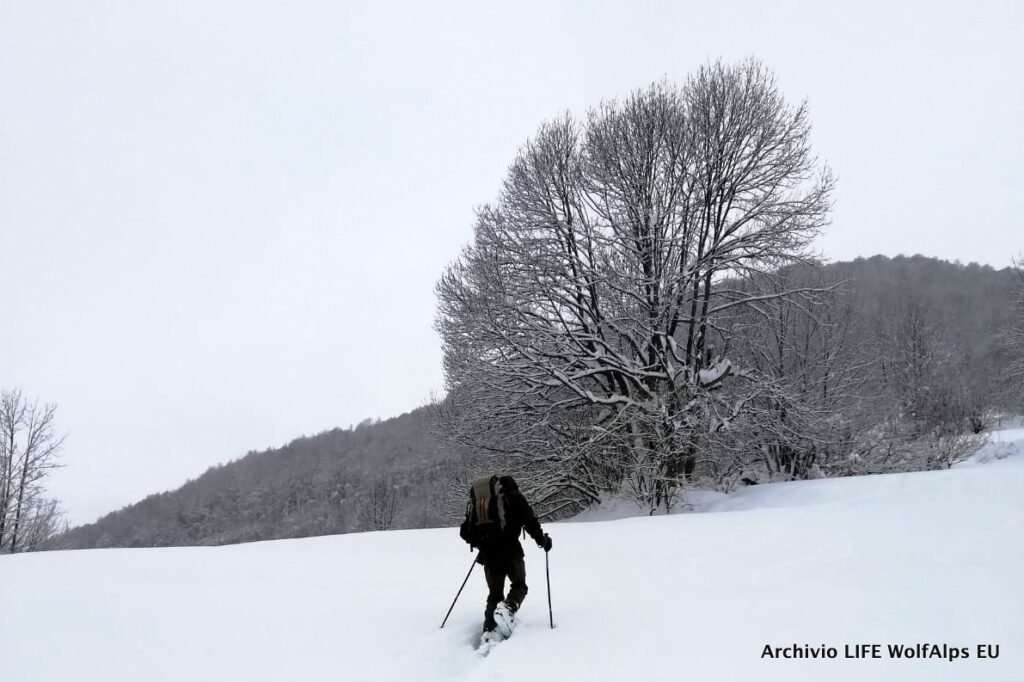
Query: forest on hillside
column 375, row 476
column 910, row 358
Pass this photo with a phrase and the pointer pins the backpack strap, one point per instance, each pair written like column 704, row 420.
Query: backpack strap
column 499, row 494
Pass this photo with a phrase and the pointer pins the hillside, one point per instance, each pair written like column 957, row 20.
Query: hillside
column 377, row 475
column 971, row 303
column 900, row 559
column 395, row 473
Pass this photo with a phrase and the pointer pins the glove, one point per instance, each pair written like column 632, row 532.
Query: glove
column 545, row 544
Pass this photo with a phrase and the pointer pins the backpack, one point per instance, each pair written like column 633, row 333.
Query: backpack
column 485, row 512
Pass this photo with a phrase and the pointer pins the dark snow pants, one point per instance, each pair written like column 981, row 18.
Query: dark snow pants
column 496, row 570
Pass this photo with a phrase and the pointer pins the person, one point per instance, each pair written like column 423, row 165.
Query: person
column 496, row 515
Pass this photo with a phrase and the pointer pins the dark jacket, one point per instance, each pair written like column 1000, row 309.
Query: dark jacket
column 518, row 515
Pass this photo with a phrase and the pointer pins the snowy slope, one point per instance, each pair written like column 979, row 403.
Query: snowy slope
column 932, row 557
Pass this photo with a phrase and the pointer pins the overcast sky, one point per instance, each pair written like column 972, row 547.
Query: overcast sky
column 221, row 222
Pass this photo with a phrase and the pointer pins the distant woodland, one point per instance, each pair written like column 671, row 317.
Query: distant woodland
column 376, row 476
column 917, row 353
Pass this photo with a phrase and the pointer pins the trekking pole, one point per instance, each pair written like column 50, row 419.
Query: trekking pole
column 547, row 574
column 471, row 566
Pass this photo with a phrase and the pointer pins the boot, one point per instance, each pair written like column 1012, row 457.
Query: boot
column 505, row 617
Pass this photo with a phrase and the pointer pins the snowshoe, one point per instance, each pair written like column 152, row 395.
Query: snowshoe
column 488, row 641
column 505, row 617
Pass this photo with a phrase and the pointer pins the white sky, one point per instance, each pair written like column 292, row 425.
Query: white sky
column 221, row 222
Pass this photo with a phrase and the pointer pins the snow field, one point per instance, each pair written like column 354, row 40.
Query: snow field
column 933, row 557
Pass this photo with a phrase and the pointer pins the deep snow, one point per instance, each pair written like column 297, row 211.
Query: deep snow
column 932, row 557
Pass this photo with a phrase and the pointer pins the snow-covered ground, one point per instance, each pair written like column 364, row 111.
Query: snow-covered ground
column 933, row 557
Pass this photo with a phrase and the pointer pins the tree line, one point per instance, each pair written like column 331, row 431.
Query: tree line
column 839, row 411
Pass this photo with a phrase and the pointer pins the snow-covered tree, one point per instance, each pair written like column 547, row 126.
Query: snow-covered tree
column 802, row 352
column 581, row 326
column 29, row 445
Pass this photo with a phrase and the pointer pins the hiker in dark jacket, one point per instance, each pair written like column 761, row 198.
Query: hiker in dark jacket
column 496, row 516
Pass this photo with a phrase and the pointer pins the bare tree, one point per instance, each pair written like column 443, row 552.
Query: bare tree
column 29, row 446
column 914, row 354
column 381, row 503
column 44, row 520
column 580, row 327
column 801, row 349
column 1014, row 336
